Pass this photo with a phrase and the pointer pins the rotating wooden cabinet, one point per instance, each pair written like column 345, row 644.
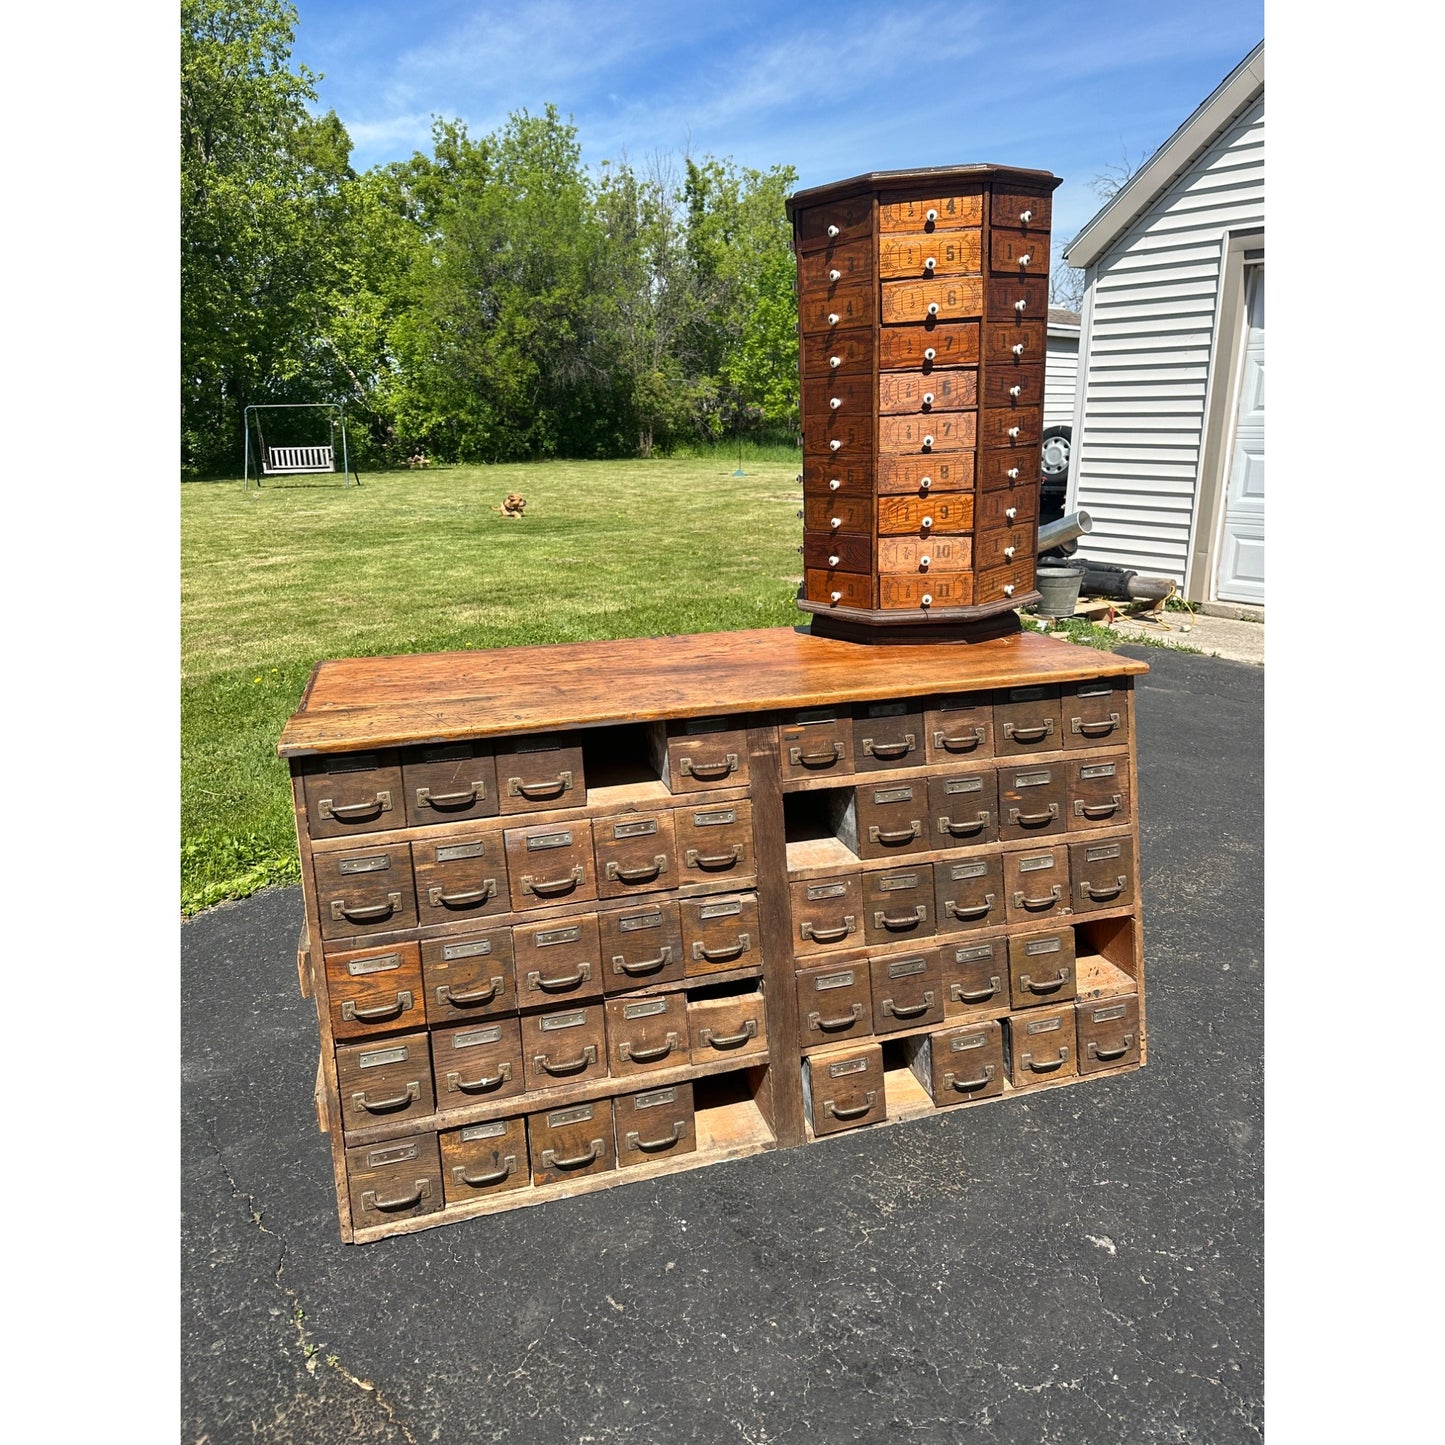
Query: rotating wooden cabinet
column 922, row 310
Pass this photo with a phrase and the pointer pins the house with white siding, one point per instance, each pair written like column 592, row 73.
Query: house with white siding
column 1061, row 366
column 1168, row 416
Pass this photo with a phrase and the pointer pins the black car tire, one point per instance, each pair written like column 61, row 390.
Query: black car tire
column 1056, row 447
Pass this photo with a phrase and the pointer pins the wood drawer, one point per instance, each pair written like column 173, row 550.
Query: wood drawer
column 845, row 438
column 374, row 990
column 846, row 589
column 1014, row 386
column 1018, row 299
column 935, row 589
column 838, row 513
column 1027, row 719
column 950, row 298
column 949, row 431
column 815, row 741
column 918, row 255
column 917, row 392
column 1018, row 253
column 462, row 877
column 384, row 1080
column 352, row 793
column 469, row 976
column 474, row 1063
column 1096, row 712
column 1011, row 471
column 890, row 818
column 837, row 551
column 715, row 843
column 1032, row 800
column 1041, row 968
column 835, row 1002
column 534, row 774
column 1041, row 1046
column 845, row 263
column 907, row 991
column 636, row 852
column 964, row 207
column 926, row 516
column 925, row 555
column 958, row 1064
column 1098, row 791
column 1020, row 428
column 646, row 1033
column 887, row 735
column 975, row 976
column 1103, row 874
column 484, row 1159
column 571, row 1143
column 845, row 307
column 898, row 904
column 720, row 932
column 364, row 890
column 823, row 477
column 400, row 1179
column 826, row 913
column 840, row 351
column 699, row 753
column 1036, row 884
column 655, row 1124
column 1022, row 209
column 963, row 808
column 564, row 1046
column 947, row 343
column 1108, row 1033
column 558, row 962
column 925, row 476
column 1003, row 546
column 727, row 1027
column 834, row 224
column 968, row 893
column 1015, row 505
column 1023, row 342
column 845, row 395
column 550, row 863
column 641, row 945
column 995, row 584
column 844, row 1090
column 958, row 727
column 449, row 783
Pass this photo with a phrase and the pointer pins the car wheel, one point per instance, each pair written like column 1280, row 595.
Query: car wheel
column 1057, row 444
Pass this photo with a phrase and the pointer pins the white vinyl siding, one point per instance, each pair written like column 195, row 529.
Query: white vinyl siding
column 1151, row 318
column 1061, row 374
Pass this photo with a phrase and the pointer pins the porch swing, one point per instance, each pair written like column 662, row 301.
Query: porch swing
column 291, row 459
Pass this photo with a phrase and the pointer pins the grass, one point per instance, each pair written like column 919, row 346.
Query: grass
column 275, row 580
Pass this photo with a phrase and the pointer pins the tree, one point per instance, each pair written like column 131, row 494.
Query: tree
column 1066, row 283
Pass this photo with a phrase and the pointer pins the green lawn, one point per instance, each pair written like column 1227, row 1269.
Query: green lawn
column 273, row 581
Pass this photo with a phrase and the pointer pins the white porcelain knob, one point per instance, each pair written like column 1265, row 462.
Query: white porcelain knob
column 924, row 561
column 926, row 522
column 928, row 441
column 1008, row 551
column 928, row 398
column 1026, row 216
column 930, row 214
column 1018, row 348
column 929, row 262
column 834, row 444
column 924, row 483
column 1021, row 305
column 1008, row 589
column 834, row 402
column 1025, row 259
column 1013, row 474
column 834, row 560
column 1013, row 431
column 834, row 596
column 835, row 361
column 838, row 275
column 835, row 521
column 832, row 232
column 929, row 353
column 933, row 308
column 926, row 600
column 834, row 484
column 1011, row 513
column 1015, row 391
column 833, row 317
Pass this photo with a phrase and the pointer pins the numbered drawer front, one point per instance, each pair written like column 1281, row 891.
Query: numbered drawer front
column 1022, row 209
column 1096, row 712
column 1003, row 546
column 634, row 853
column 355, row 793
column 969, row 893
column 901, row 592
column 837, row 513
column 839, row 437
column 564, row 1046
column 887, row 735
column 400, row 1179
column 384, row 1081
column 948, row 343
column 936, row 213
column 958, row 727
column 700, row 753
column 365, row 891
column 570, row 1143
column 1021, row 343
column 374, row 990
column 845, row 395
column 959, row 1064
column 952, row 298
column 463, row 877
column 1014, row 386
column 927, row 556
column 827, row 477
column 890, row 818
column 837, row 551
column 1009, row 507
column 1027, row 720
column 469, row 976
column 1108, row 1033
column 998, row 584
column 641, row 946
column 907, row 991
column 923, row 393
column 840, row 263
column 1103, row 875
column 1018, row 428
column 534, row 774
column 1040, row 1045
column 835, row 1002
column 646, row 1033
column 720, row 932
column 1008, row 471
column 827, row 913
column 846, row 307
column 735, row 1027
column 921, row 477
column 840, row 352
column 975, row 976
column 834, row 224
column 919, row 255
column 1098, row 791
column 950, row 431
column 655, row 1124
column 451, row 783
column 558, row 961
column 963, row 807
column 484, row 1159
column 838, row 589
column 715, row 844
column 1032, row 800
column 1018, row 299
column 1036, row 884
column 1041, row 968
column 930, row 515
column 815, row 742
column 550, row 863
column 844, row 1090
column 475, row 1062
column 898, row 905
column 1018, row 252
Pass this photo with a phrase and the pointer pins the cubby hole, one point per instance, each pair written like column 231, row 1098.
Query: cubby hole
column 820, row 828
column 1104, row 949
column 618, row 758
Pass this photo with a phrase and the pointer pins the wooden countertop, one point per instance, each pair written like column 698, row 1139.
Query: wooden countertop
column 373, row 702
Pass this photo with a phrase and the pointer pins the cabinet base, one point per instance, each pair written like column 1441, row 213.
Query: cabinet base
column 950, row 624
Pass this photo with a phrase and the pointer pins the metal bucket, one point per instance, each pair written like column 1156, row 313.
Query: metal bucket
column 1058, row 588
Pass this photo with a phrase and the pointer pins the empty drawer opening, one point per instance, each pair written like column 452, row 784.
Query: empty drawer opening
column 816, row 825
column 1105, row 957
column 617, row 758
column 730, row 1110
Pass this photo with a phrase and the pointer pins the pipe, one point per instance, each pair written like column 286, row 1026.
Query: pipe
column 1109, row 580
column 1066, row 529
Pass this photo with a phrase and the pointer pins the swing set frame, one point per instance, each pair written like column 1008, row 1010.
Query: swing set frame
column 290, row 461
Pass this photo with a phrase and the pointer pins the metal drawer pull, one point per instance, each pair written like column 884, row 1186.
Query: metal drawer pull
column 962, row 743
column 730, row 1041
column 809, row 929
column 895, row 835
column 715, row 860
column 966, row 1086
column 369, row 1199
column 961, row 829
column 1095, row 1052
column 546, row 887
column 833, row 1025
column 392, row 1102
column 370, row 913
column 726, row 764
column 447, row 995
column 552, row 788
column 654, row 1146
column 558, row 985
column 1103, row 895
column 641, row 874
column 1033, row 820
column 853, row 1111
column 721, row 955
column 913, row 1010
column 1027, row 1060
column 979, row 995
column 426, row 798
column 567, row 1066
column 1097, row 810
column 798, row 758
column 644, row 965
column 351, row 1011
column 1100, row 729
column 483, row 1181
column 890, row 750
column 483, row 1084
column 1029, row 735
column 646, row 1056
column 1047, row 901
column 965, row 915
column 897, row 922
column 1048, row 985
column 577, row 1161
column 439, row 898
column 345, row 812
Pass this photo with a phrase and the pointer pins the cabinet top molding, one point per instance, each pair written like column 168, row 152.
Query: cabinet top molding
column 371, row 702
column 913, row 179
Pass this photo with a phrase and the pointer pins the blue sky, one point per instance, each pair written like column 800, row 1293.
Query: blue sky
column 833, row 89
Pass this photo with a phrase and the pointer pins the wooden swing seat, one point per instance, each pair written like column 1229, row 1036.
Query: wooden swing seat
column 290, row 461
